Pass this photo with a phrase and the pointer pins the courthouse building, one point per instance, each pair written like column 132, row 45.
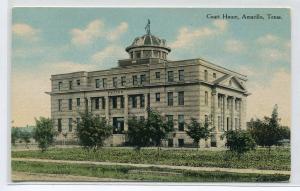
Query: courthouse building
column 179, row 90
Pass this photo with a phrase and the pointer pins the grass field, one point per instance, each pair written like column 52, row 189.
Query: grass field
column 278, row 159
column 128, row 173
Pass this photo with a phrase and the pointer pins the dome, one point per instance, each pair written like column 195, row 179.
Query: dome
column 148, row 40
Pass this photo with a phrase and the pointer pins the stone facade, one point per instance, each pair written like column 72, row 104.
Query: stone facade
column 178, row 90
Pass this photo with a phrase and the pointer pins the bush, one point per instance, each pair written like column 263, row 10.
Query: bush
column 44, row 133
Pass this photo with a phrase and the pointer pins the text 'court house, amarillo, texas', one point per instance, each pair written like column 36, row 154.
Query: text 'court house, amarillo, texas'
column 179, row 90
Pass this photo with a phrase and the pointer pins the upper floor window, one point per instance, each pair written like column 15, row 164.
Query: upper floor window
column 104, row 82
column 59, row 104
column 180, row 98
column 114, row 102
column 181, row 122
column 157, row 97
column 157, row 75
column 103, row 103
column 134, row 101
column 143, row 78
column 170, row 98
column 97, row 103
column 59, row 86
column 214, row 75
column 70, row 124
column 170, row 119
column 123, row 80
column 181, row 75
column 70, row 104
column 142, row 101
column 147, row 54
column 97, row 82
column 205, row 75
column 78, row 101
column 138, row 54
column 70, row 85
column 134, row 80
column 115, row 82
column 156, row 54
column 122, row 102
column 78, row 82
column 170, row 76
column 206, row 98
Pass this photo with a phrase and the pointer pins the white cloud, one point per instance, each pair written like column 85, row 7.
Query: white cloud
column 268, row 39
column 96, row 29
column 84, row 36
column 25, row 31
column 234, row 46
column 117, row 32
column 109, row 54
column 273, row 55
column 187, row 36
column 266, row 95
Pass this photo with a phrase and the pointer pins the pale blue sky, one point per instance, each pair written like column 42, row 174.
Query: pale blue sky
column 48, row 39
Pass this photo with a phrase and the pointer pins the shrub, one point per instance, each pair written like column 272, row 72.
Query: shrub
column 44, row 133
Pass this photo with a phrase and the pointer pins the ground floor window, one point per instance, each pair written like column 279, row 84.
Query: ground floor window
column 170, row 142
column 59, row 129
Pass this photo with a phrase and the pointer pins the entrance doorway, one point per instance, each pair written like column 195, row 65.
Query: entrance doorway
column 118, row 125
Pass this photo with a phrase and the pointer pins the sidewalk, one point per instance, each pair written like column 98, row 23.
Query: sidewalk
column 208, row 169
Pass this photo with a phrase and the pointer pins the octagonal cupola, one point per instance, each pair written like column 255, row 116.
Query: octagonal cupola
column 148, row 46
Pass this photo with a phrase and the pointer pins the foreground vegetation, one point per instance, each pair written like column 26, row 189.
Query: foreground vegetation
column 277, row 159
column 128, row 173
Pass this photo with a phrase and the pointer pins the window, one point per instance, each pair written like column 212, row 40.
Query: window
column 181, row 122
column 114, row 102
column 138, row 54
column 170, row 76
column 104, row 83
column 59, row 128
column 156, row 54
column 77, row 121
column 78, row 82
column 157, row 97
column 78, row 101
column 134, row 101
column 214, row 75
column 59, row 104
column 157, row 75
column 70, row 85
column 147, row 54
column 134, row 80
column 143, row 78
column 170, row 98
column 205, row 75
column 170, row 119
column 181, row 75
column 97, row 82
column 96, row 103
column 59, row 86
column 219, row 123
column 115, row 82
column 103, row 103
column 180, row 142
column 70, row 104
column 122, row 102
column 206, row 98
column 123, row 80
column 70, row 124
column 180, row 98
column 142, row 101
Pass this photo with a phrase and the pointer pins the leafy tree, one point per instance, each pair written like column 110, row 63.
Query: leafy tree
column 198, row 131
column 239, row 141
column 15, row 135
column 26, row 136
column 138, row 135
column 268, row 132
column 92, row 131
column 44, row 133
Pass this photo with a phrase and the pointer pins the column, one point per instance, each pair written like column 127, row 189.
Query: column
column 146, row 105
column 214, row 109
column 232, row 112
column 224, row 112
column 107, row 108
column 125, row 112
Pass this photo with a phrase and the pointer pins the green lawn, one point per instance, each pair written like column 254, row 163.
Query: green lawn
column 278, row 159
column 127, row 173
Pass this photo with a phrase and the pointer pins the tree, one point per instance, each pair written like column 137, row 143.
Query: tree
column 26, row 136
column 44, row 133
column 239, row 141
column 15, row 135
column 92, row 131
column 198, row 131
column 138, row 134
column 268, row 132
